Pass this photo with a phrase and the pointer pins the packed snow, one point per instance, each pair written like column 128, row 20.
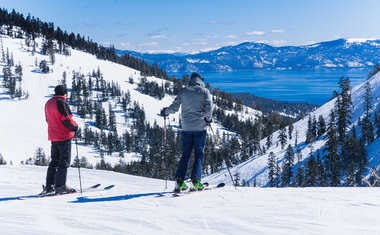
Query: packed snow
column 132, row 207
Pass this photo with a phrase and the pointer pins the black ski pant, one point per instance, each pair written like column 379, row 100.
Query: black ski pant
column 60, row 161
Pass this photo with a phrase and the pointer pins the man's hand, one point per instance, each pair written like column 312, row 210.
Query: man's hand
column 208, row 121
column 163, row 112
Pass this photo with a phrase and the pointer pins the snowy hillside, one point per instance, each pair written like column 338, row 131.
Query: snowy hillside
column 22, row 122
column 132, row 208
column 255, row 169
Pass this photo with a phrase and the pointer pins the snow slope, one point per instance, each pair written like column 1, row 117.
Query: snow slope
column 132, row 208
column 22, row 123
column 256, row 167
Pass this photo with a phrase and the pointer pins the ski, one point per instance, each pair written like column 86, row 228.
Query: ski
column 94, row 188
column 90, row 189
column 176, row 194
column 163, row 194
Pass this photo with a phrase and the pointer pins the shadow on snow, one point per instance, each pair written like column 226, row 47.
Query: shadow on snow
column 114, row 198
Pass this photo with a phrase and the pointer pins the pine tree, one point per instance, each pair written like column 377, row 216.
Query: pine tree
column 311, row 172
column 272, row 169
column 300, row 177
column 290, row 129
column 344, row 109
column 331, row 153
column 269, row 141
column 282, row 137
column 112, row 118
column 40, row 157
column 314, row 128
column 356, row 160
column 321, row 126
column 309, row 132
column 277, row 174
column 2, row 160
column 377, row 122
column 287, row 172
column 368, row 135
column 299, row 154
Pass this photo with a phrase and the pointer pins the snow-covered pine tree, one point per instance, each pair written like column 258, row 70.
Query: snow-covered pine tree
column 287, row 167
column 321, row 128
column 377, row 122
column 290, row 129
column 367, row 128
column 331, row 153
column 272, row 169
column 311, row 172
column 282, row 138
column 344, row 109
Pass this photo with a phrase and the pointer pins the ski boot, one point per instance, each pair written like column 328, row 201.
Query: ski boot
column 197, row 185
column 180, row 185
column 64, row 190
column 48, row 189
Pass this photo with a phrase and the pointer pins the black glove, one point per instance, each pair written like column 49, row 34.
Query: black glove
column 75, row 129
column 163, row 112
column 208, row 121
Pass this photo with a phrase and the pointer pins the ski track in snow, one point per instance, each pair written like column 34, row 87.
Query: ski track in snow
column 132, row 208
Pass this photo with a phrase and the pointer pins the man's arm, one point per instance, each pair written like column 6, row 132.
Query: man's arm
column 67, row 120
column 208, row 105
column 174, row 107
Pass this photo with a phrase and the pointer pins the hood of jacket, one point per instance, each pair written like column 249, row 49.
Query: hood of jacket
column 196, row 81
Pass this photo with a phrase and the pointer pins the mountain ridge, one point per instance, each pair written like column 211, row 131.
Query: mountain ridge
column 336, row 54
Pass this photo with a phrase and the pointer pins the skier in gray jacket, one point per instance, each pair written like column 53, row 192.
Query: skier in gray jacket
column 196, row 112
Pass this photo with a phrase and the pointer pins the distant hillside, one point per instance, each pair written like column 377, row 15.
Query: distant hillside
column 337, row 54
column 268, row 105
column 295, row 154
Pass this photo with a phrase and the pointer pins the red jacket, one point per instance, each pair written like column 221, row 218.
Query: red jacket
column 61, row 125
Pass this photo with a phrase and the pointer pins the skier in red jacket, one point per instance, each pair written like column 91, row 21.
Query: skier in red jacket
column 61, row 128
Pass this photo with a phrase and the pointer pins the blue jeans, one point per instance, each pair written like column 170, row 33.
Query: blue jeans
column 192, row 140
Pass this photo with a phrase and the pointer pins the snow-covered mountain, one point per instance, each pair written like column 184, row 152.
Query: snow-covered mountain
column 22, row 122
column 256, row 169
column 337, row 54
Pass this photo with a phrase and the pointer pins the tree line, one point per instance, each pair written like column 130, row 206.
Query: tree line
column 343, row 160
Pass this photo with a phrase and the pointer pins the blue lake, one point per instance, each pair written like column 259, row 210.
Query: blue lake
column 314, row 87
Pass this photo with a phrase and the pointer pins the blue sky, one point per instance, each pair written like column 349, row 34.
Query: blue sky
column 176, row 25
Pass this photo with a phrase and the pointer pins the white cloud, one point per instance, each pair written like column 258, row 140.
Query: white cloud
column 124, row 45
column 255, row 33
column 148, row 44
column 199, row 42
column 278, row 30
column 213, row 22
column 159, row 35
column 107, row 44
column 231, row 36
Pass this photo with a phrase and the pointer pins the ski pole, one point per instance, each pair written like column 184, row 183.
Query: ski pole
column 80, row 179
column 224, row 157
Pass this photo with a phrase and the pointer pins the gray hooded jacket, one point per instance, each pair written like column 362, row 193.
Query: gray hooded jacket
column 196, row 105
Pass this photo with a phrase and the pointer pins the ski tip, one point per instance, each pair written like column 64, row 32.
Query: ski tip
column 206, row 184
column 220, row 185
column 109, row 187
column 95, row 186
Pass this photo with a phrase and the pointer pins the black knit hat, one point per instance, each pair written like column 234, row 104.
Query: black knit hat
column 60, row 90
column 193, row 75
